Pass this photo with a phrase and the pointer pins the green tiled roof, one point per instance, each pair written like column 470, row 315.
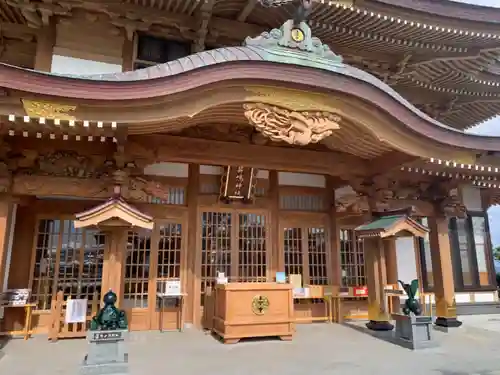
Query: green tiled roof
column 381, row 224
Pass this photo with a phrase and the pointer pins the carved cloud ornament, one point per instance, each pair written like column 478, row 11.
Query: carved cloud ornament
column 295, row 128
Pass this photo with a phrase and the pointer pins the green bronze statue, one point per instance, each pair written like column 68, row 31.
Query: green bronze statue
column 411, row 305
column 109, row 318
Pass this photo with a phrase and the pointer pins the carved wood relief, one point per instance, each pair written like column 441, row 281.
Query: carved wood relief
column 60, row 164
column 295, row 128
column 48, row 110
column 69, row 173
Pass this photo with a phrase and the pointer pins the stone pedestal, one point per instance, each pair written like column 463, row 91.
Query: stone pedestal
column 414, row 332
column 107, row 353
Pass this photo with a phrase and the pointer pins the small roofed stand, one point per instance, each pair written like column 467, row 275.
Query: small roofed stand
column 114, row 218
column 379, row 240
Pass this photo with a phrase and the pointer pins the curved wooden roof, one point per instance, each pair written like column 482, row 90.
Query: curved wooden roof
column 432, row 52
column 261, row 62
column 447, row 9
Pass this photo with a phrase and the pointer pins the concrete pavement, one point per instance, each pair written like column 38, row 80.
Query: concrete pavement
column 316, row 349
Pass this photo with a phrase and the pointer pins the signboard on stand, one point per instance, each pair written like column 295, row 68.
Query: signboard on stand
column 221, row 278
column 14, row 297
column 170, row 288
column 360, row 291
column 76, row 311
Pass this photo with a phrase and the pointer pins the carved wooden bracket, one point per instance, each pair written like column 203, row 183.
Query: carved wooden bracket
column 443, row 194
column 378, row 190
column 295, row 128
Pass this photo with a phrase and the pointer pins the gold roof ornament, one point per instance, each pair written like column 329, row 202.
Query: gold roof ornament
column 48, row 110
column 295, row 34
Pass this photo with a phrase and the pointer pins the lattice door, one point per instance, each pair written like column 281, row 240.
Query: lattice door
column 137, row 268
column 66, row 259
column 234, row 243
column 305, row 253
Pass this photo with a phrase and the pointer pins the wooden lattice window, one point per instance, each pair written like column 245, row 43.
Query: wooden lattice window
column 137, row 270
column 169, row 251
column 352, row 259
column 252, row 262
column 216, row 236
column 305, row 254
column 293, row 251
column 318, row 259
column 176, row 196
column 68, row 259
column 151, row 50
column 313, row 203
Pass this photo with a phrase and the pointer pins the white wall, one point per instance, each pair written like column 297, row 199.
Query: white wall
column 167, row 169
column 182, row 170
column 301, row 179
column 472, row 198
column 217, row 171
column 73, row 65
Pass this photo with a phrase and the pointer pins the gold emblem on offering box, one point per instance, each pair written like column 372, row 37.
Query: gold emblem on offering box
column 260, row 304
column 297, row 35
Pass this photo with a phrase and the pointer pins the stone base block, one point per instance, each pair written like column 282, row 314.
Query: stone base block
column 107, row 353
column 114, row 368
column 446, row 323
column 414, row 332
column 379, row 325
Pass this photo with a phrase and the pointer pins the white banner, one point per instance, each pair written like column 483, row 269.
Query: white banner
column 76, row 311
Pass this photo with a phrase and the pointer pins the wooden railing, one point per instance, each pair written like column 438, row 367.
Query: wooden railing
column 59, row 328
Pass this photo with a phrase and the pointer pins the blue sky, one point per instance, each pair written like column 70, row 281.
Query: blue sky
column 491, row 127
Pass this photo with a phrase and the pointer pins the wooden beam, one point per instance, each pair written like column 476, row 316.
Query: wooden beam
column 235, row 29
column 17, row 28
column 46, row 40
column 388, row 161
column 161, row 148
column 204, row 15
column 245, row 12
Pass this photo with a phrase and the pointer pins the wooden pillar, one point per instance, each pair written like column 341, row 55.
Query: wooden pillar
column 376, row 279
column 5, row 218
column 336, row 268
column 442, row 270
column 46, row 40
column 128, row 52
column 115, row 256
column 193, row 284
column 485, row 204
column 391, row 263
column 277, row 255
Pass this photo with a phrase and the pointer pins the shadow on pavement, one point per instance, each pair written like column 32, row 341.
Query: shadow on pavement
column 387, row 336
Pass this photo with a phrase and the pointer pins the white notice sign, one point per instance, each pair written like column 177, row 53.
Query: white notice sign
column 172, row 288
column 76, row 311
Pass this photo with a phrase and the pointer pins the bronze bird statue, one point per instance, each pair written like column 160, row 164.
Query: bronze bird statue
column 302, row 12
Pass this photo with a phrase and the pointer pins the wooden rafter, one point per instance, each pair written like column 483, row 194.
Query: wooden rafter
column 388, row 161
column 205, row 14
column 245, row 12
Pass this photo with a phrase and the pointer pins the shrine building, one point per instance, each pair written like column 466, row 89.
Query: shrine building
column 181, row 140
